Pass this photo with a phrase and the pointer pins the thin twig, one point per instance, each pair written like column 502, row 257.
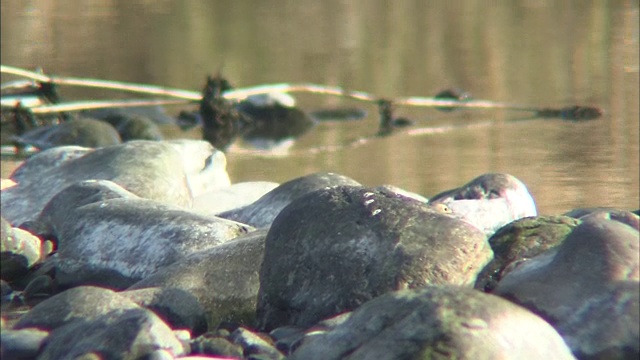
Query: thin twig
column 570, row 113
column 87, row 105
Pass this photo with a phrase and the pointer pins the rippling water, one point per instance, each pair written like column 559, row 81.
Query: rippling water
column 531, row 52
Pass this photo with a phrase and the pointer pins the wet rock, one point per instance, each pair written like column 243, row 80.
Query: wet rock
column 587, row 288
column 489, row 201
column 134, row 127
column 333, row 249
column 157, row 114
column 85, row 132
column 178, row 308
column 254, row 346
column 437, row 322
column 521, row 240
column 83, row 303
column 21, row 344
column 19, row 251
column 224, row 279
column 165, row 171
column 127, row 334
column 262, row 212
column 273, row 123
column 111, row 238
column 231, row 197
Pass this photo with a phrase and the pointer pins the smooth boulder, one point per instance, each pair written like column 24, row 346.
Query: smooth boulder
column 166, row 171
column 223, row 279
column 437, row 323
column 107, row 236
column 587, row 288
column 489, row 201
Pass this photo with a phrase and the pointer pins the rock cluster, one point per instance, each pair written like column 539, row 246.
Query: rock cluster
column 146, row 250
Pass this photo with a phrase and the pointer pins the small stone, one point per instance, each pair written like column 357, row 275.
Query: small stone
column 255, row 346
column 214, row 345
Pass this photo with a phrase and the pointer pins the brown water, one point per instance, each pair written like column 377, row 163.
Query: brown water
column 551, row 53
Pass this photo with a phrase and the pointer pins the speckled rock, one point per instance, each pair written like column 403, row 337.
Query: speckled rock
column 111, row 238
column 587, row 288
column 262, row 212
column 489, row 201
column 224, row 279
column 119, row 334
column 333, row 249
column 521, row 240
column 434, row 323
column 165, row 171
column 81, row 303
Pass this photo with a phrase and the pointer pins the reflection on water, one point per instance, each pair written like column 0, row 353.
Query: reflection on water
column 532, row 52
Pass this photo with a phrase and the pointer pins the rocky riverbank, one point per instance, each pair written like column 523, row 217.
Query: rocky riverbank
column 146, row 250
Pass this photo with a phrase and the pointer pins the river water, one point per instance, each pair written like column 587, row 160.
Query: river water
column 542, row 53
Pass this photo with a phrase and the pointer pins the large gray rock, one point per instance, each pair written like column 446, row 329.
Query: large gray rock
column 223, row 279
column 262, row 212
column 489, row 201
column 81, row 303
column 587, row 288
column 109, row 237
column 128, row 334
column 334, row 249
column 437, row 323
column 165, row 171
column 521, row 240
